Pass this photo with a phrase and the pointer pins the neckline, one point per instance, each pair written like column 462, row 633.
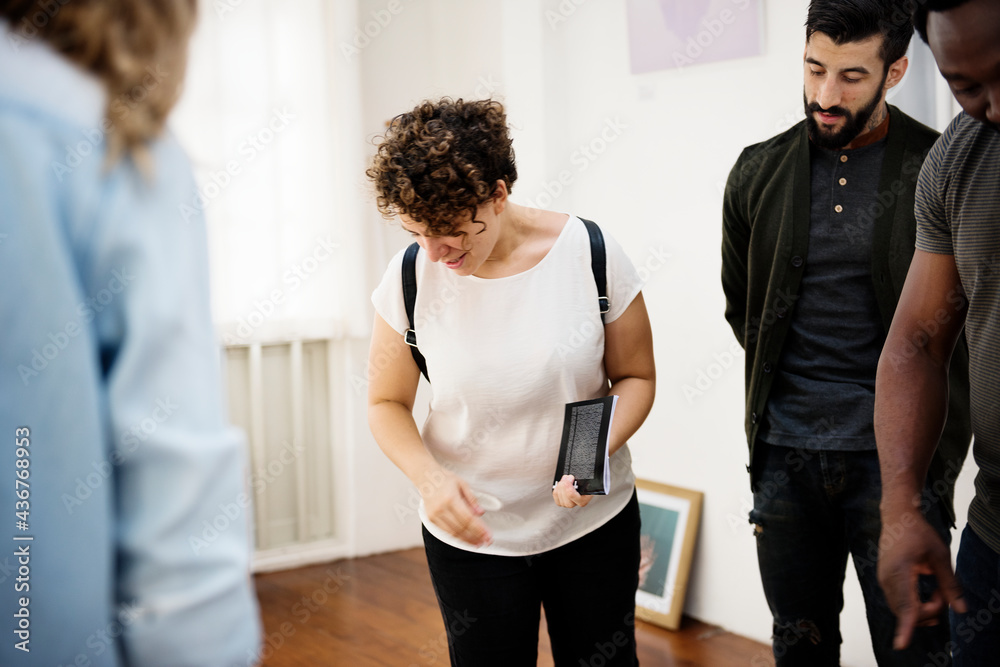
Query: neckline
column 541, row 262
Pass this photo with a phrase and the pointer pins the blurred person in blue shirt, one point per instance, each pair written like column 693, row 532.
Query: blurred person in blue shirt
column 125, row 516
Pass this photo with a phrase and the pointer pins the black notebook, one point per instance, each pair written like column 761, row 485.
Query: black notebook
column 583, row 452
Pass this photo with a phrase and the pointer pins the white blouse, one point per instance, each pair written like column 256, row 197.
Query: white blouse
column 504, row 356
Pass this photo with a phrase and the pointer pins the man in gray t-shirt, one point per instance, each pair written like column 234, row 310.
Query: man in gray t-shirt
column 953, row 282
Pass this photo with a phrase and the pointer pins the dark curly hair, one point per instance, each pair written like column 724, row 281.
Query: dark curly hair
column 443, row 160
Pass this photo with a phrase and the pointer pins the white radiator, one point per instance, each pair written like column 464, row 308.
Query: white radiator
column 282, row 396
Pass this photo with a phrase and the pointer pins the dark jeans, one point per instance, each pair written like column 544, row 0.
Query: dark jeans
column 976, row 634
column 491, row 604
column 812, row 508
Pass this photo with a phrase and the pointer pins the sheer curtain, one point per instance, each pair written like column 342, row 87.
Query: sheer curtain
column 923, row 93
column 271, row 119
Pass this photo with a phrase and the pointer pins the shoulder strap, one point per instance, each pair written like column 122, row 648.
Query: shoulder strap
column 409, row 299
column 598, row 264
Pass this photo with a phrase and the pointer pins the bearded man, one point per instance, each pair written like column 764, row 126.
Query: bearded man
column 818, row 234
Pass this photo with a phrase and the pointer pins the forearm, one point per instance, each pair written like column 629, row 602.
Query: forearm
column 635, row 399
column 396, row 433
column 448, row 500
column 911, row 404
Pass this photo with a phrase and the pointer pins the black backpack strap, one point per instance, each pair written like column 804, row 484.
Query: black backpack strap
column 409, row 299
column 598, row 264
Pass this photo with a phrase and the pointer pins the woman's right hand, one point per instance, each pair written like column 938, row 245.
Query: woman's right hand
column 451, row 505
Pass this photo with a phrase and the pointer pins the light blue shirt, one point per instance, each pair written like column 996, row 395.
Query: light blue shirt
column 136, row 500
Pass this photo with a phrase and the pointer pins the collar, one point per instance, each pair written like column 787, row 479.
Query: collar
column 877, row 134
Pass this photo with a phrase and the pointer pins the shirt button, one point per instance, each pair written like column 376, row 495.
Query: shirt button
column 843, row 181
column 796, row 261
column 843, row 158
column 753, row 418
column 767, row 367
column 838, row 208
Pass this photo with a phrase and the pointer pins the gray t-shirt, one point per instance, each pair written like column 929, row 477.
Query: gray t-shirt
column 823, row 396
column 958, row 213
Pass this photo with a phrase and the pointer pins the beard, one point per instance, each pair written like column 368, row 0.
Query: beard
column 854, row 123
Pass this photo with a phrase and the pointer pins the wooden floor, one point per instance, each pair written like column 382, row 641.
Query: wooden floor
column 381, row 610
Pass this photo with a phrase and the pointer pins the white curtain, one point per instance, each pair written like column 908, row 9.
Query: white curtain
column 923, row 93
column 271, row 119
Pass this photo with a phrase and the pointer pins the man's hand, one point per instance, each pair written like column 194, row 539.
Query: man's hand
column 918, row 550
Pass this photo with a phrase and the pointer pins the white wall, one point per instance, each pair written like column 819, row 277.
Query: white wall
column 670, row 138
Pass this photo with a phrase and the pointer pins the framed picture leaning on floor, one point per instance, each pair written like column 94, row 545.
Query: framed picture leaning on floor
column 670, row 518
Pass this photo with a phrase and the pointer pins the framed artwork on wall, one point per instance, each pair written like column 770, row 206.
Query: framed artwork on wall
column 673, row 34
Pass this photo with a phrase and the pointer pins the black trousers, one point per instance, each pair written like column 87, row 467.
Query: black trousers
column 491, row 604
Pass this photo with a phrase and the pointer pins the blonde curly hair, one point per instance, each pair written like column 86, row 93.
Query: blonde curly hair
column 136, row 48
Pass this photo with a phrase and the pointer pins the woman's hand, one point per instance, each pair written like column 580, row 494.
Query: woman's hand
column 448, row 500
column 451, row 505
column 566, row 495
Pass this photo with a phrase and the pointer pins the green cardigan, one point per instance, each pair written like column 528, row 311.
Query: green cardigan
column 765, row 246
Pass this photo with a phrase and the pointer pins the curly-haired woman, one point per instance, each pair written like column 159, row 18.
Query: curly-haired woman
column 507, row 318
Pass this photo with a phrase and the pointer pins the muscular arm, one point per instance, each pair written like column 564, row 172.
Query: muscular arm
column 448, row 500
column 911, row 402
column 628, row 359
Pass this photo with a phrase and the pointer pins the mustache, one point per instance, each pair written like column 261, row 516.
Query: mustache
column 833, row 111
